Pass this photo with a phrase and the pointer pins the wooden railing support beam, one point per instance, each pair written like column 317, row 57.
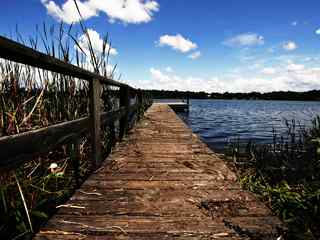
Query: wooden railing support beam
column 95, row 122
column 124, row 102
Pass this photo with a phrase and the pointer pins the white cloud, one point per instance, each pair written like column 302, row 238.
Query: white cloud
column 255, row 66
column 246, row 39
column 68, row 12
column 289, row 46
column 293, row 77
column 195, row 55
column 126, row 11
column 268, row 71
column 295, row 67
column 312, row 59
column 152, row 6
column 159, row 76
column 294, row 23
column 171, row 81
column 96, row 41
column 318, row 31
column 177, row 42
column 227, row 83
column 169, row 69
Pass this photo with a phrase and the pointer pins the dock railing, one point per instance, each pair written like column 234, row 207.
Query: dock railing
column 20, row 148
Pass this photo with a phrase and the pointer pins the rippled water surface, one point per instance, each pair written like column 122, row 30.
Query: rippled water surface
column 216, row 121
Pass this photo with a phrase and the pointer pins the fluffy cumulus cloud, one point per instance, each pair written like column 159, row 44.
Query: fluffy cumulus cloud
column 169, row 69
column 289, row 46
column 195, row 55
column 126, row 11
column 295, row 67
column 177, row 42
column 268, row 71
column 244, row 40
column 96, row 42
column 68, row 12
column 160, row 79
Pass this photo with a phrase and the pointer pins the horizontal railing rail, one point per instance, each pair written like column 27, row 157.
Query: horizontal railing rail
column 27, row 145
column 19, row 148
column 17, row 52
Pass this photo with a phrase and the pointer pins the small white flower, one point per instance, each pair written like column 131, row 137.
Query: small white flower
column 53, row 166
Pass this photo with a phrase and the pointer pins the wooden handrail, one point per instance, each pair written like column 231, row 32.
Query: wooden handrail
column 18, row 148
column 17, row 52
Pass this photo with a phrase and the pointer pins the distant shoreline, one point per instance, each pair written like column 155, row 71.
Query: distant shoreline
column 313, row 95
column 234, row 99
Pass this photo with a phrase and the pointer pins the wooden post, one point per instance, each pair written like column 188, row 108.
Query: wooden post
column 112, row 135
column 188, row 103
column 75, row 148
column 140, row 97
column 140, row 105
column 124, row 102
column 95, row 89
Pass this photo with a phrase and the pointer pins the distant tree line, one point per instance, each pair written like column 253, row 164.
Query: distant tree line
column 164, row 94
column 313, row 95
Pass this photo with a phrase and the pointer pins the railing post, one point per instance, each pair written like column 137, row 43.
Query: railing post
column 140, row 104
column 111, row 138
column 75, row 156
column 188, row 102
column 95, row 89
column 124, row 102
column 140, row 97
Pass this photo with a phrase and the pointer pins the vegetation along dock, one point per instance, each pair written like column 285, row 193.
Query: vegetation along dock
column 162, row 182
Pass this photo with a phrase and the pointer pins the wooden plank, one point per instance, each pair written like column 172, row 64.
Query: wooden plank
column 118, row 235
column 17, row 52
column 16, row 149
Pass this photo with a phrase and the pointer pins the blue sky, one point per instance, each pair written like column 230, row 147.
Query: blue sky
column 214, row 46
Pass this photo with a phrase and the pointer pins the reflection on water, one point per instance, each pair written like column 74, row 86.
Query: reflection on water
column 216, row 121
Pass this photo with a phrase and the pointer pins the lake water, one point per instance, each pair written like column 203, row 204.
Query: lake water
column 216, row 121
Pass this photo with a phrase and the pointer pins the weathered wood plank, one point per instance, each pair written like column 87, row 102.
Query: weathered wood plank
column 140, row 236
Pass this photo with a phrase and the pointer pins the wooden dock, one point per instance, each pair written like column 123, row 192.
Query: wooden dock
column 162, row 182
column 176, row 105
column 179, row 106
